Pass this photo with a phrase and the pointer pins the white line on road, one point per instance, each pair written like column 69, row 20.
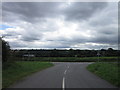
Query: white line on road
column 65, row 71
column 63, row 83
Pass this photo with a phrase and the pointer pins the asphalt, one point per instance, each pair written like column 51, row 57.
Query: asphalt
column 63, row 75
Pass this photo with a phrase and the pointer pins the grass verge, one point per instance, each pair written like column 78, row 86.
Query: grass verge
column 18, row 70
column 107, row 71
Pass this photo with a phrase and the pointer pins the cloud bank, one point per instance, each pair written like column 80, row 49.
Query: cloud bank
column 63, row 25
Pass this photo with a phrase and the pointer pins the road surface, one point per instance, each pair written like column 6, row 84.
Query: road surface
column 64, row 75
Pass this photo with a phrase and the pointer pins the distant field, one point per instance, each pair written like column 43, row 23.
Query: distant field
column 18, row 70
column 72, row 59
column 107, row 71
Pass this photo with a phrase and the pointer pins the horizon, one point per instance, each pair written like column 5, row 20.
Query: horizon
column 62, row 49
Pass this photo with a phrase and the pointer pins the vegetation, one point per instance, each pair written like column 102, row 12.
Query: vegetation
column 108, row 71
column 12, row 70
column 18, row 70
column 5, row 51
column 70, row 59
column 65, row 53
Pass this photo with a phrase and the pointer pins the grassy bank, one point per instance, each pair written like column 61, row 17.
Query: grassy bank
column 72, row 59
column 18, row 70
column 107, row 71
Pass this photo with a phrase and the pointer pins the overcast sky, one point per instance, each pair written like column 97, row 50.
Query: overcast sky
column 60, row 25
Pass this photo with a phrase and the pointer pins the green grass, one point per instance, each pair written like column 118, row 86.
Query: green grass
column 18, row 70
column 73, row 59
column 107, row 71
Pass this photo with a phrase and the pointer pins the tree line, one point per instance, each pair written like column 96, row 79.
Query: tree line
column 65, row 53
column 7, row 52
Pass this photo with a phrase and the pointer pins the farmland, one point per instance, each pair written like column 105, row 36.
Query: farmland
column 71, row 59
column 107, row 71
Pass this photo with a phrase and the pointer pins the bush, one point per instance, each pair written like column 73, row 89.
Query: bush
column 5, row 51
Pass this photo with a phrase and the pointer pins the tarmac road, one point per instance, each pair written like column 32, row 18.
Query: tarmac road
column 64, row 75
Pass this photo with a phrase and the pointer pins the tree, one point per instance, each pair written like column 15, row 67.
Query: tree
column 5, row 50
column 110, row 52
column 71, row 52
column 110, row 49
column 54, row 53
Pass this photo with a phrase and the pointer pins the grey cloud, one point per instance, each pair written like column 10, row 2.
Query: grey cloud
column 4, row 35
column 105, row 39
column 65, row 40
column 106, row 20
column 56, row 46
column 109, row 31
column 41, row 16
column 30, row 38
column 38, row 11
column 30, row 11
column 17, row 44
column 83, row 10
column 11, row 34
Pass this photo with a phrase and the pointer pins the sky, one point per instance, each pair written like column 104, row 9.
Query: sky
column 60, row 25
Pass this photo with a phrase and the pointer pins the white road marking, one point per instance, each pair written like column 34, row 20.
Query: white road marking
column 65, row 71
column 63, row 83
